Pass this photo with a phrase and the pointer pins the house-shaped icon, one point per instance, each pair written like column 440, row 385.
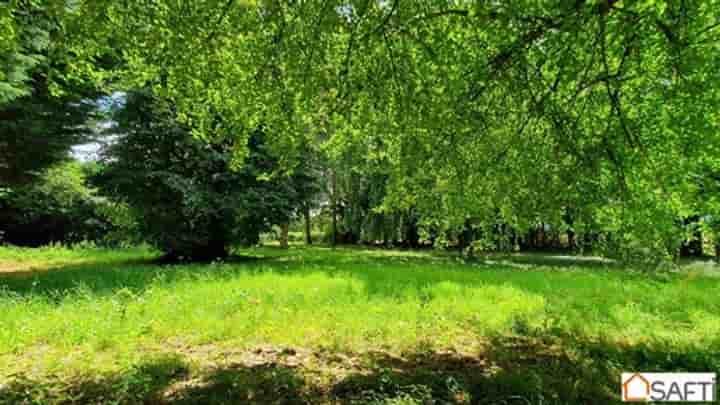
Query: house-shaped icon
column 636, row 389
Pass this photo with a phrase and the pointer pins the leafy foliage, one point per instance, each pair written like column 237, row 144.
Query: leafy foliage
column 37, row 131
column 504, row 112
column 595, row 116
column 59, row 207
column 191, row 197
column 43, row 111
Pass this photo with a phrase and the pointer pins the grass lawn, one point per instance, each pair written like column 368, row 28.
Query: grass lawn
column 315, row 325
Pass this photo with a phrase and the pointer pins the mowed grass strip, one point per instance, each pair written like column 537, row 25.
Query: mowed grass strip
column 107, row 313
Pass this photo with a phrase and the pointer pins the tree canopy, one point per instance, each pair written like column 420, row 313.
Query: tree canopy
column 43, row 109
column 595, row 114
column 190, row 200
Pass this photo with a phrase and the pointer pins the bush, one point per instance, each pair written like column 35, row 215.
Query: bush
column 191, row 198
column 58, row 207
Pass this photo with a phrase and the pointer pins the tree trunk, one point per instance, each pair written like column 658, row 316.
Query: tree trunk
column 334, row 208
column 308, row 227
column 433, row 237
column 692, row 247
column 214, row 248
column 465, row 238
column 197, row 253
column 413, row 236
column 571, row 239
column 385, row 233
column 284, row 231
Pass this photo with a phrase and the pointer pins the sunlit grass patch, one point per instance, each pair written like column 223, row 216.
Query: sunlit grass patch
column 110, row 315
column 16, row 261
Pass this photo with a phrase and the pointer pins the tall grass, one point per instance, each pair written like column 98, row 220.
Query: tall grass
column 105, row 311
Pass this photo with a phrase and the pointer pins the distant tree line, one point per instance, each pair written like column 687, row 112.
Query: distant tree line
column 477, row 126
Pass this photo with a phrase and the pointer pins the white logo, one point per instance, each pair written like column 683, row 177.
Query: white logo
column 665, row 387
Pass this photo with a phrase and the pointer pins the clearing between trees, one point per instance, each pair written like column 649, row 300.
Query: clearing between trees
column 321, row 325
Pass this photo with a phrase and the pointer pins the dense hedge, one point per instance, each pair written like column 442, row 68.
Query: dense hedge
column 60, row 208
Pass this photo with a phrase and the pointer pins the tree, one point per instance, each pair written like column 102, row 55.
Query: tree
column 307, row 183
column 43, row 111
column 495, row 112
column 23, row 43
column 57, row 207
column 194, row 199
column 38, row 131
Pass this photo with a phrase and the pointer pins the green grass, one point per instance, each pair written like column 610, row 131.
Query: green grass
column 322, row 325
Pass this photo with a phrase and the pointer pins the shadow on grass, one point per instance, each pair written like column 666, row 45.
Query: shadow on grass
column 510, row 370
column 371, row 265
column 106, row 276
column 557, row 260
column 261, row 384
column 167, row 380
column 142, row 384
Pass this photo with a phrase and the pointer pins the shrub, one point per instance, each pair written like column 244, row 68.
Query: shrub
column 57, row 207
column 192, row 198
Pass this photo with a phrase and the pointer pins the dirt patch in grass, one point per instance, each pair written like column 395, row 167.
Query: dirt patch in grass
column 502, row 370
column 30, row 268
column 15, row 267
column 511, row 370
